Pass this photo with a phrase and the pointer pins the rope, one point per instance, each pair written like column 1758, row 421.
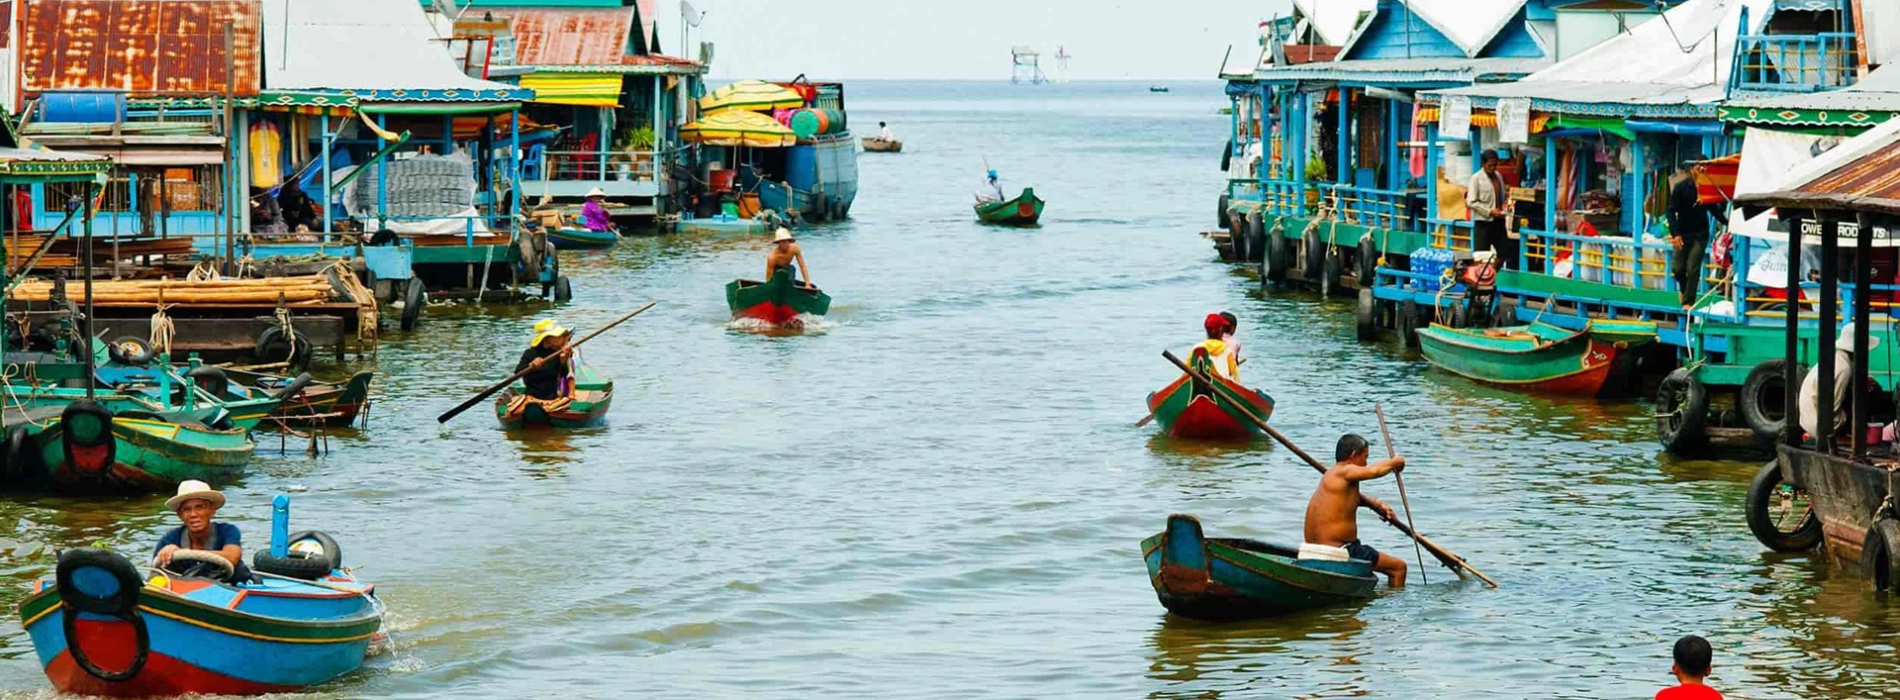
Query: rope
column 162, row 331
column 366, row 310
column 290, row 333
column 6, row 384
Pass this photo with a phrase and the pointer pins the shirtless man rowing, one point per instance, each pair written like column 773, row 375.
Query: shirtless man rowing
column 785, row 252
column 1332, row 514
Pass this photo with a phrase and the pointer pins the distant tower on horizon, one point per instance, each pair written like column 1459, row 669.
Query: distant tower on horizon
column 1024, row 66
column 1062, row 65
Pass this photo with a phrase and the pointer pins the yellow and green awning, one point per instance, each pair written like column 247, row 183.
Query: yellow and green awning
column 754, row 95
column 736, row 127
column 583, row 89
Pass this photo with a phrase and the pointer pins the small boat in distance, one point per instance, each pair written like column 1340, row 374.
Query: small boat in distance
column 1157, row 88
column 585, row 407
column 1024, row 210
column 1229, row 578
column 778, row 301
column 874, row 144
column 1538, row 357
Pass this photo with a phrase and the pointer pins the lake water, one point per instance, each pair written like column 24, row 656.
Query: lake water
column 941, row 493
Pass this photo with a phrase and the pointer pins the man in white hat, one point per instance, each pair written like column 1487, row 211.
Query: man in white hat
column 1810, row 396
column 551, row 360
column 784, row 252
column 594, row 212
column 195, row 504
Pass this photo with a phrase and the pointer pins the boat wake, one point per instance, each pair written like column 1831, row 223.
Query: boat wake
column 803, row 324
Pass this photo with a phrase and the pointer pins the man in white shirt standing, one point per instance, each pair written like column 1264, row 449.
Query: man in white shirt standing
column 1487, row 215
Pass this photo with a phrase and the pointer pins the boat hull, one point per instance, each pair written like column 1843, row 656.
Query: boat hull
column 1226, row 579
column 1208, row 413
column 567, row 238
column 587, row 407
column 778, row 301
column 328, row 405
column 873, row 144
column 1538, row 357
column 1025, row 209
column 146, row 455
column 832, row 160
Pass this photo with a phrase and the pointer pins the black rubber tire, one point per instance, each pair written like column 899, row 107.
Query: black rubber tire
column 1367, row 315
column 297, row 565
column 1505, row 315
column 295, row 387
column 1330, row 273
column 272, row 346
column 331, row 549
column 563, row 289
column 1763, row 401
column 1366, row 272
column 1682, row 407
column 1256, row 237
column 530, row 256
column 18, row 454
column 1880, row 554
column 414, row 298
column 1237, row 241
column 73, row 439
column 130, row 350
column 1220, row 217
column 1408, row 322
column 1762, row 490
column 1280, row 255
column 1460, row 315
column 121, row 601
column 1315, row 255
column 211, row 379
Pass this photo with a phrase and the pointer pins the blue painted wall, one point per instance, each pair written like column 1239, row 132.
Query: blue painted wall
column 1514, row 41
column 1390, row 35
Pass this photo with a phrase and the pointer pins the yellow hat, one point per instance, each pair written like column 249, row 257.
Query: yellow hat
column 546, row 328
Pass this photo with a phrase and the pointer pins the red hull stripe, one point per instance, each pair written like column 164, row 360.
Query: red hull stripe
column 775, row 314
column 1205, row 420
column 163, row 675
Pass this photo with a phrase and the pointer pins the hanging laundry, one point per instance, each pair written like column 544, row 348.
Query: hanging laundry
column 267, row 155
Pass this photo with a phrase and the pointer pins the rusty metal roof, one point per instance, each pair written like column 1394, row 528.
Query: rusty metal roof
column 1862, row 174
column 140, row 46
column 569, row 37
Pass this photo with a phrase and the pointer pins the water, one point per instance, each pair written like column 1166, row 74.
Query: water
column 942, row 494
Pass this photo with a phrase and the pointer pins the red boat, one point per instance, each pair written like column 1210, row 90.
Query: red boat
column 1192, row 411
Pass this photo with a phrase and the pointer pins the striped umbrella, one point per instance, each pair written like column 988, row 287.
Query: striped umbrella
column 751, row 95
column 736, row 127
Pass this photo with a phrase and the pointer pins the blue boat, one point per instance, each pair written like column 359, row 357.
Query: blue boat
column 1229, row 579
column 100, row 629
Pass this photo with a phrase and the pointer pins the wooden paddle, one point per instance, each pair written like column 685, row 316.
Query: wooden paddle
column 490, row 391
column 1151, row 416
column 1450, row 560
column 1392, row 450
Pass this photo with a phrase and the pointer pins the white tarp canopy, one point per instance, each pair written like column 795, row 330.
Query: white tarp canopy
column 362, row 45
column 1684, row 60
column 1882, row 30
column 1768, row 157
column 1334, row 20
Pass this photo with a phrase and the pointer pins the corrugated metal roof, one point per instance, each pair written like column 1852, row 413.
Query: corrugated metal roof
column 1862, row 174
column 568, row 37
column 375, row 49
column 1470, row 24
column 142, row 46
column 1406, row 70
column 1878, row 92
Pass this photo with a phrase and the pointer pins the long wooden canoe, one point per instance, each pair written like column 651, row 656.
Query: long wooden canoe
column 585, row 407
column 1538, row 357
column 1187, row 410
column 1226, row 578
column 1024, row 210
column 778, row 301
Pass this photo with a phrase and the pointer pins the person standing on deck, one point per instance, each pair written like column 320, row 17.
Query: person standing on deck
column 1693, row 659
column 992, row 189
column 1214, row 355
column 549, row 360
column 1332, row 514
column 1688, row 234
column 594, row 213
column 785, row 251
column 1810, row 396
column 1483, row 197
column 884, row 132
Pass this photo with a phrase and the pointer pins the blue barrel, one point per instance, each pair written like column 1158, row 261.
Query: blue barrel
column 87, row 106
column 801, row 168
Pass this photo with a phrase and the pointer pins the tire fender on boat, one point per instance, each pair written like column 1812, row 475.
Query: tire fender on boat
column 1220, row 218
column 1333, row 270
column 1759, row 398
column 1256, row 237
column 1880, row 554
column 414, row 297
column 86, row 438
column 18, row 454
column 1279, row 256
column 1315, row 254
column 1367, row 268
column 1762, row 490
column 211, row 379
column 130, row 350
column 1366, row 314
column 299, row 561
column 101, row 583
column 1682, row 412
column 1408, row 322
column 274, row 346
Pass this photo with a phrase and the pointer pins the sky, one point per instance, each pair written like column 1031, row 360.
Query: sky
column 971, row 39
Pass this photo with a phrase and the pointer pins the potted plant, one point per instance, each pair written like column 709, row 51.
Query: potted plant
column 636, row 147
column 1315, row 172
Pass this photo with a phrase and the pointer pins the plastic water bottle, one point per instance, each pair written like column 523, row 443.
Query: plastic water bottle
column 280, row 526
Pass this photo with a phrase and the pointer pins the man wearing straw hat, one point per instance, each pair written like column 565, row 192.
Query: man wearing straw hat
column 785, row 251
column 195, row 505
column 550, row 359
column 594, row 212
column 1810, row 396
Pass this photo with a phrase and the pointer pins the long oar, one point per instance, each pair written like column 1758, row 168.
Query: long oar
column 1451, row 561
column 490, row 391
column 1392, row 450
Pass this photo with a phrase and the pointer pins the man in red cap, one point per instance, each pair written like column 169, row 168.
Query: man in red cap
column 1216, row 354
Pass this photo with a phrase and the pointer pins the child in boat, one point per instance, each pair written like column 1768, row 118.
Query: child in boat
column 1693, row 657
column 1233, row 346
column 195, row 505
column 550, row 359
column 1215, row 354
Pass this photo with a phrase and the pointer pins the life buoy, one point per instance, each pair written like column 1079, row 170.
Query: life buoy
column 101, row 583
column 86, row 438
column 1763, row 492
column 1880, row 554
column 1682, row 413
column 1763, row 401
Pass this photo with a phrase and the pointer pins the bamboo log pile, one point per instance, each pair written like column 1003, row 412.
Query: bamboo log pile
column 293, row 290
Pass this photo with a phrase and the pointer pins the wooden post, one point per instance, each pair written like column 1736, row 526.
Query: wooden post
column 1830, row 272
column 1791, row 335
column 1862, row 416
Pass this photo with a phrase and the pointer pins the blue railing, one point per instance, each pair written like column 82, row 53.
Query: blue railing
column 1448, row 234
column 1284, row 197
column 1795, row 62
column 1375, row 208
column 1615, row 260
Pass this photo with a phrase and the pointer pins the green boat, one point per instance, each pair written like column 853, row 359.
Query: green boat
column 84, row 447
column 1227, row 578
column 1024, row 210
column 1538, row 357
column 576, row 238
column 585, row 407
column 778, row 301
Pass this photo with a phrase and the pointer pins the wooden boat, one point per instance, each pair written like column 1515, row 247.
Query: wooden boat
column 577, row 238
column 778, row 301
column 1227, row 578
column 313, row 403
column 1193, row 412
column 1537, row 357
column 586, row 407
column 85, row 447
column 107, row 632
column 1024, row 210
column 722, row 225
column 878, row 144
column 1157, row 88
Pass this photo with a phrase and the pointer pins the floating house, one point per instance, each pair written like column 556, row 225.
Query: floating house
column 598, row 75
